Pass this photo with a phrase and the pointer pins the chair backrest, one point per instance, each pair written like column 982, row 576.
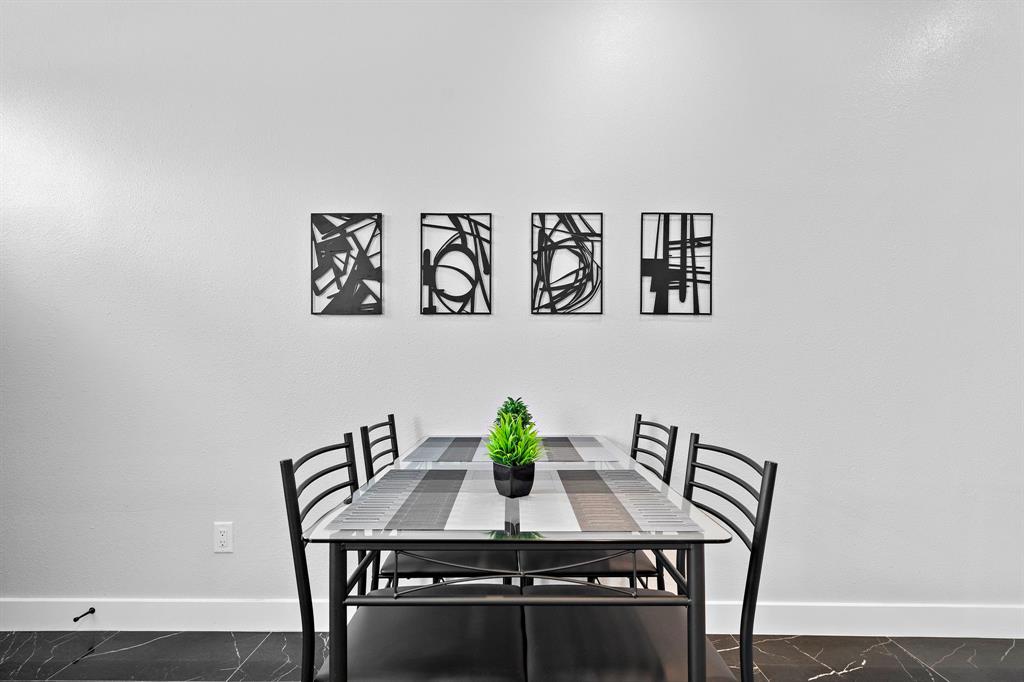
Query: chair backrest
column 319, row 492
column 664, row 451
column 388, row 451
column 761, row 490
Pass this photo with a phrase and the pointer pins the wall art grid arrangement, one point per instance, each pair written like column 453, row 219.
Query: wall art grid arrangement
column 566, row 257
column 566, row 260
column 347, row 260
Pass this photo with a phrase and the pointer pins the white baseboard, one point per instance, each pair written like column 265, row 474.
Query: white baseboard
column 873, row 619
column 780, row 618
column 155, row 614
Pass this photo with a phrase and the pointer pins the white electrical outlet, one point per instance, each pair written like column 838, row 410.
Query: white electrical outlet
column 223, row 536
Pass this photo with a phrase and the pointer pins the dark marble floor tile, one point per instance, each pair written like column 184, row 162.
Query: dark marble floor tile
column 969, row 660
column 793, row 658
column 278, row 658
column 165, row 656
column 728, row 646
column 37, row 655
column 261, row 656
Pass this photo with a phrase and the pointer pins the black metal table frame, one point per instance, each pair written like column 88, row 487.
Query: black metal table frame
column 690, row 586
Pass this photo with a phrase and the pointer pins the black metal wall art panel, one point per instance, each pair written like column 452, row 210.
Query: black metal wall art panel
column 675, row 263
column 347, row 260
column 455, row 265
column 567, row 263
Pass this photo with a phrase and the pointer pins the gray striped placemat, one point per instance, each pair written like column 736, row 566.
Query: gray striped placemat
column 563, row 499
column 460, row 450
column 621, row 500
column 404, row 500
column 428, row 504
column 593, row 503
column 560, row 449
column 472, row 448
column 375, row 507
column 647, row 505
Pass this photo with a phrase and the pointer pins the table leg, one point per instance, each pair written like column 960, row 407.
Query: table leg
column 338, row 642
column 360, row 555
column 695, row 614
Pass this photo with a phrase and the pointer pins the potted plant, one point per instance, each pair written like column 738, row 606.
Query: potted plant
column 517, row 408
column 513, row 446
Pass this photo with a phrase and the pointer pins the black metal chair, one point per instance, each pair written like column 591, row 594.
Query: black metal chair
column 371, row 468
column 395, row 643
column 595, row 564
column 648, row 642
column 390, row 439
column 762, row 495
column 327, row 496
column 667, row 446
column 435, row 566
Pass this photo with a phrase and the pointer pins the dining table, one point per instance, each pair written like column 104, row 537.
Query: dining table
column 588, row 494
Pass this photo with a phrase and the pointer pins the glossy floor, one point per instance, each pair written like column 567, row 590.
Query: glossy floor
column 240, row 656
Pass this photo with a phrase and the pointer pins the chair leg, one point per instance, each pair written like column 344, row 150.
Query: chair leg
column 375, row 576
column 361, row 554
column 661, row 573
column 681, row 566
column 308, row 641
column 592, row 579
column 338, row 623
column 437, row 581
column 506, row 581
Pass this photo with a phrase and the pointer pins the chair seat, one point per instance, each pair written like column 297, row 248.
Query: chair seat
column 616, row 566
column 414, row 567
column 394, row 643
column 610, row 643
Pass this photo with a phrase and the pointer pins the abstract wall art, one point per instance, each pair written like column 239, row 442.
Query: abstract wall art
column 347, row 259
column 566, row 259
column 455, row 263
column 675, row 263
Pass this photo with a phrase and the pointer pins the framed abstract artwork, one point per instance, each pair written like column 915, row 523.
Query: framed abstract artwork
column 675, row 263
column 566, row 263
column 347, row 253
column 455, row 263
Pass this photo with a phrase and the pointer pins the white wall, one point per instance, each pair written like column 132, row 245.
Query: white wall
column 863, row 161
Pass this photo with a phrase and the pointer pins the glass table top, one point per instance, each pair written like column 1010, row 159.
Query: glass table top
column 585, row 489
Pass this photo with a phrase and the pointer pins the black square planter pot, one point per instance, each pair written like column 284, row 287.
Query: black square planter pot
column 513, row 481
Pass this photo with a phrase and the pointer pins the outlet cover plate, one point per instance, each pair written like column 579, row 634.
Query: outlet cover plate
column 223, row 537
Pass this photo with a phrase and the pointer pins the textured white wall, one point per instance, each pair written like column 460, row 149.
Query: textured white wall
column 863, row 161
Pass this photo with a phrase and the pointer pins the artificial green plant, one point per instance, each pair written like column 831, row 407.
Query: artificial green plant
column 513, row 443
column 517, row 408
